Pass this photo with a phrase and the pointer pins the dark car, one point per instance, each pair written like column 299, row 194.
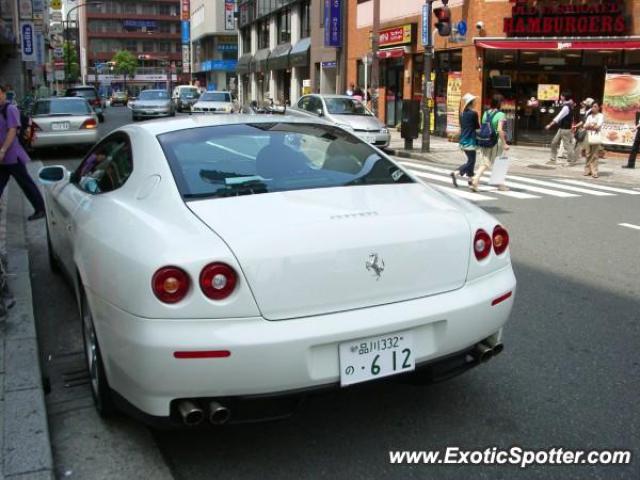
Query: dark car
column 91, row 95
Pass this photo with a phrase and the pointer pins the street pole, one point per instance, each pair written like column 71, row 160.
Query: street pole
column 375, row 63
column 426, row 91
column 67, row 65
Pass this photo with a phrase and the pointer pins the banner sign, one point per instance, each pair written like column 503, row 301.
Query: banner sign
column 219, row 65
column 332, row 23
column 395, row 36
column 454, row 94
column 574, row 18
column 27, row 41
column 621, row 101
column 185, row 32
column 26, row 10
column 229, row 18
column 186, row 58
column 139, row 23
column 425, row 24
column 185, row 10
column 39, row 46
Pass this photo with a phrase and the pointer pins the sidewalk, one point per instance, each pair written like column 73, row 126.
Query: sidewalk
column 24, row 431
column 528, row 160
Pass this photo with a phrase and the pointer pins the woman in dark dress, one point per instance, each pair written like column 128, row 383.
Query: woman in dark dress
column 469, row 124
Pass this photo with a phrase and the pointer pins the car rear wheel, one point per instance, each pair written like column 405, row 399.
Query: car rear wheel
column 100, row 389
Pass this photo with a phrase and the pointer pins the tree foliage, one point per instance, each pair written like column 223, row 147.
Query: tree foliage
column 71, row 60
column 125, row 62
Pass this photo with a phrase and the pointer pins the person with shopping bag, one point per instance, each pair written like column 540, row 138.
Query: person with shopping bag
column 580, row 134
column 469, row 123
column 593, row 126
column 492, row 141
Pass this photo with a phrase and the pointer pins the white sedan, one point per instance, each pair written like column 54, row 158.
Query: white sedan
column 217, row 260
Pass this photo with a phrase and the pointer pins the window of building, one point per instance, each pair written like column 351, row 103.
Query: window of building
column 164, row 9
column 130, row 7
column 245, row 34
column 164, row 47
column 284, row 25
column 164, row 27
column 131, row 45
column 113, row 7
column 149, row 8
column 305, row 19
column 148, row 46
column 263, row 34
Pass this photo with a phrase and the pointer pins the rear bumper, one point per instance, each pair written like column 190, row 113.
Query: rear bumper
column 55, row 139
column 151, row 113
column 276, row 357
column 375, row 138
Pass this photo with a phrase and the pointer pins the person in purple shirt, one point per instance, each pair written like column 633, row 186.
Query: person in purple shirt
column 13, row 158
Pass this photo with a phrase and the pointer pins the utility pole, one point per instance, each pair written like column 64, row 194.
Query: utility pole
column 375, row 62
column 426, row 83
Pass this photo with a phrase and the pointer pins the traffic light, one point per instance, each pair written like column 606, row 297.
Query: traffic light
column 443, row 25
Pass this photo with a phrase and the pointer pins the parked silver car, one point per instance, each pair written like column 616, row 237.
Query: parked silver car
column 214, row 102
column 151, row 104
column 62, row 121
column 346, row 112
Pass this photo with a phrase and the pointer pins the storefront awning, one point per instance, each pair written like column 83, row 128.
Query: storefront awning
column 610, row 43
column 391, row 53
column 244, row 64
column 279, row 58
column 260, row 60
column 299, row 54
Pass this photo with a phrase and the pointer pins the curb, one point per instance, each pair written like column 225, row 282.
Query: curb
column 26, row 444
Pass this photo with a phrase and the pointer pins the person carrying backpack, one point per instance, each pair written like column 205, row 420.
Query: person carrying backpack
column 492, row 140
column 13, row 157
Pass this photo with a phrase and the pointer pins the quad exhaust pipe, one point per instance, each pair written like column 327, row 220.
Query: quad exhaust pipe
column 486, row 349
column 218, row 414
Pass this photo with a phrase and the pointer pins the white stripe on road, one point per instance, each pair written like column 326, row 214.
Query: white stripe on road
column 553, row 193
column 563, row 187
column 599, row 187
column 476, row 197
column 630, row 225
column 447, row 179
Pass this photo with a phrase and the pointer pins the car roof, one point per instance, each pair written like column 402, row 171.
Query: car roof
column 334, row 96
column 160, row 126
column 154, row 90
column 65, row 99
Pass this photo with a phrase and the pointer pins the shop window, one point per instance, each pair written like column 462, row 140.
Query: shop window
column 245, row 34
column 603, row 58
column 263, row 34
column 501, row 57
column 632, row 57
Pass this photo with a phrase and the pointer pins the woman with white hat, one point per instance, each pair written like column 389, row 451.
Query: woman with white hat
column 469, row 123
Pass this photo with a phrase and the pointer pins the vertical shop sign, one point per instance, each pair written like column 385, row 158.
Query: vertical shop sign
column 619, row 106
column 332, row 23
column 454, row 93
column 39, row 47
column 185, row 11
column 229, row 17
column 185, row 32
column 186, row 59
column 26, row 9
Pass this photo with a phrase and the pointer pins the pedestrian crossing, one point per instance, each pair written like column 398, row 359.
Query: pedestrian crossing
column 521, row 188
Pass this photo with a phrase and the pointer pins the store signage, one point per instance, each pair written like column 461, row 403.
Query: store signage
column 185, row 32
column 550, row 18
column 55, row 4
column 619, row 106
column 139, row 23
column 56, row 28
column 395, row 36
column 227, row 47
column 26, row 10
column 27, row 41
column 219, row 65
column 39, row 46
column 332, row 23
column 55, row 17
column 328, row 65
column 186, row 59
column 229, row 17
column 425, row 24
column 185, row 12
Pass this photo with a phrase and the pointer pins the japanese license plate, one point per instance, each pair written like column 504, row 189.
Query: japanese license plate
column 376, row 357
column 369, row 139
column 60, row 126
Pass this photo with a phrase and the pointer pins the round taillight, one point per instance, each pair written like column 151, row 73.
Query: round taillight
column 500, row 239
column 170, row 284
column 481, row 244
column 218, row 280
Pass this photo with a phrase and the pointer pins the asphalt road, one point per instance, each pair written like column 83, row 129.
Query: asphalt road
column 568, row 377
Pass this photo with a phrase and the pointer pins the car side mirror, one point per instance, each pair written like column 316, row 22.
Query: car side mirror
column 320, row 112
column 52, row 174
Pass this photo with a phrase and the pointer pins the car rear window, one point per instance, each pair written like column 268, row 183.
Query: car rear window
column 346, row 106
column 62, row 107
column 81, row 92
column 188, row 92
column 230, row 160
column 154, row 95
column 215, row 97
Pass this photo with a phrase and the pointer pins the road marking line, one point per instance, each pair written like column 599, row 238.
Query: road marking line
column 563, row 187
column 630, row 225
column 447, row 179
column 599, row 187
column 460, row 193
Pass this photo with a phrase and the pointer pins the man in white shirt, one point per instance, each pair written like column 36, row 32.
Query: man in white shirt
column 564, row 121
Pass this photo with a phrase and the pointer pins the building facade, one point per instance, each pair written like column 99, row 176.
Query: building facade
column 214, row 45
column 527, row 51
column 150, row 29
column 281, row 52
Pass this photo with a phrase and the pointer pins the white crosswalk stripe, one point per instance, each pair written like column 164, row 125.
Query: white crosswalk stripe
column 557, row 187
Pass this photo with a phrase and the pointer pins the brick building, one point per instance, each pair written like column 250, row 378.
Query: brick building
column 515, row 48
column 150, row 29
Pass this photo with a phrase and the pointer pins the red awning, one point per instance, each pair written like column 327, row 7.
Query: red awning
column 392, row 53
column 559, row 44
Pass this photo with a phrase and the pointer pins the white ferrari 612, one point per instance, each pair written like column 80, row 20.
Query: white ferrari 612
column 217, row 260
